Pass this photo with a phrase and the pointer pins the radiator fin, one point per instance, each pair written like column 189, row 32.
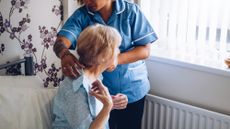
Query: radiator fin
column 161, row 113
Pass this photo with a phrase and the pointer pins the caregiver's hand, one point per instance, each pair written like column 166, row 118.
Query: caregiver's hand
column 120, row 101
column 70, row 65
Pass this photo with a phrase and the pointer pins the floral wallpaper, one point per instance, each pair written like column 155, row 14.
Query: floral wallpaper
column 29, row 27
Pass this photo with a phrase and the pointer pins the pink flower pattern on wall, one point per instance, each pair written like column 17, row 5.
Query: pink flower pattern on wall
column 47, row 36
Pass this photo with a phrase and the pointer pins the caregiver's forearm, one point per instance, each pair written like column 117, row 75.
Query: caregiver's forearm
column 61, row 45
column 138, row 53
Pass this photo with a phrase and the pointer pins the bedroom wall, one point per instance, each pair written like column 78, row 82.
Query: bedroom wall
column 199, row 86
column 29, row 27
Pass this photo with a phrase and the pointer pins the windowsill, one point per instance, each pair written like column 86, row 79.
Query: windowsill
column 209, row 68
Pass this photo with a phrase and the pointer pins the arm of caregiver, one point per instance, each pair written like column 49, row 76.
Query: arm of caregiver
column 69, row 62
column 138, row 53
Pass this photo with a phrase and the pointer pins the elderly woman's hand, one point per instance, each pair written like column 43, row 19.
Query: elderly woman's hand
column 102, row 94
column 120, row 101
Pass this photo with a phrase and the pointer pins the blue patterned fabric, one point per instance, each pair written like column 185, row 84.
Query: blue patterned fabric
column 73, row 107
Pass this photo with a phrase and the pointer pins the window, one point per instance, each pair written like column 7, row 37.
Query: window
column 196, row 31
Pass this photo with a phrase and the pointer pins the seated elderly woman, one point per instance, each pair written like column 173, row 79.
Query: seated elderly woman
column 85, row 103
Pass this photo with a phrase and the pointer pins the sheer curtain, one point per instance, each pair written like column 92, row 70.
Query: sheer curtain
column 191, row 30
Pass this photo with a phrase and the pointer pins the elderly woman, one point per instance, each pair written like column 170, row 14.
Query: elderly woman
column 85, row 103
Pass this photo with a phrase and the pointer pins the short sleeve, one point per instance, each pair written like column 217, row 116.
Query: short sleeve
column 72, row 28
column 142, row 32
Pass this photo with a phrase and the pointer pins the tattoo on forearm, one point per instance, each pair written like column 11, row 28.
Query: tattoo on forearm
column 58, row 47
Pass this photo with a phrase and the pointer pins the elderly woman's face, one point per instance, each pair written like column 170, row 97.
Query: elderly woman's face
column 114, row 60
column 95, row 5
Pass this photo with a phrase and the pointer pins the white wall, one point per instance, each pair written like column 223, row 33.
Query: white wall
column 199, row 86
column 69, row 7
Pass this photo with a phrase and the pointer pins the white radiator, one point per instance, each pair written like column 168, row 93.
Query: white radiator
column 161, row 113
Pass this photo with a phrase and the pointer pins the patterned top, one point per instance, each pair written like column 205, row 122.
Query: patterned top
column 73, row 107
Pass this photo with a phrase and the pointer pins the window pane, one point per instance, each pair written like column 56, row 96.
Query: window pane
column 191, row 28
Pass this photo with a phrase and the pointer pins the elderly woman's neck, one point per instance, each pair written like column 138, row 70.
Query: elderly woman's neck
column 93, row 73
